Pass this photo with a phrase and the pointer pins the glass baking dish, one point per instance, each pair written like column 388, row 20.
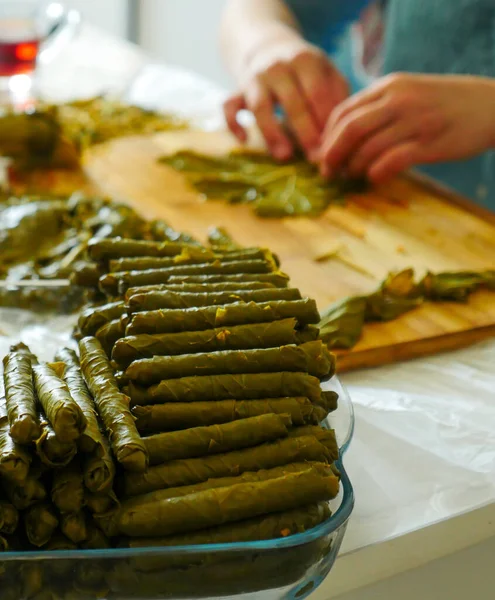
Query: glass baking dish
column 289, row 567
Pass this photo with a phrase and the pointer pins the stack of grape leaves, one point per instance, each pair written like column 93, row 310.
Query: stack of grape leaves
column 56, row 136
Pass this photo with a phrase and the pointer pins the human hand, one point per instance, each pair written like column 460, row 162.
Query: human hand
column 300, row 79
column 404, row 120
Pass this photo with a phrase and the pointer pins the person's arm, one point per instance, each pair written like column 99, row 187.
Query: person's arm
column 249, row 25
column 276, row 67
column 405, row 120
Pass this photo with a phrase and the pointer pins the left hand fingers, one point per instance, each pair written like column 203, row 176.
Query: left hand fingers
column 377, row 144
column 349, row 133
column 353, row 103
column 395, row 160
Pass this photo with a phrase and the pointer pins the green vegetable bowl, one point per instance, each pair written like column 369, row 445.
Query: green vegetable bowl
column 287, row 567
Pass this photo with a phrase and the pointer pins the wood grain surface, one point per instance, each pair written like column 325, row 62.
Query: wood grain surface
column 406, row 223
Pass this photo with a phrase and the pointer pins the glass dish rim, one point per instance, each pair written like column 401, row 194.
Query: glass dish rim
column 332, row 524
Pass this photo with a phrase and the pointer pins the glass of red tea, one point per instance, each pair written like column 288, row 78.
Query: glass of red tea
column 31, row 31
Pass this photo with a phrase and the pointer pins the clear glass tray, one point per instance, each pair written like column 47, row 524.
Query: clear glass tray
column 289, row 567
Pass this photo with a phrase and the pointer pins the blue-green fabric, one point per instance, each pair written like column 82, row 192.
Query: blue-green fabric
column 421, row 36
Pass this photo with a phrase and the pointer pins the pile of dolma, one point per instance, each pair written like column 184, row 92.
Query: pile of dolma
column 189, row 415
column 46, row 238
column 274, row 189
column 57, row 470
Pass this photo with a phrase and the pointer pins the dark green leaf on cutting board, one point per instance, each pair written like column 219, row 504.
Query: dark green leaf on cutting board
column 275, row 189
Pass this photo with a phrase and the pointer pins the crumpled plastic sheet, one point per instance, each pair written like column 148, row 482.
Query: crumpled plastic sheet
column 173, row 89
column 424, row 444
column 44, row 334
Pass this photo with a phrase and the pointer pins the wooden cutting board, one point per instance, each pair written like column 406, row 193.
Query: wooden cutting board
column 406, row 223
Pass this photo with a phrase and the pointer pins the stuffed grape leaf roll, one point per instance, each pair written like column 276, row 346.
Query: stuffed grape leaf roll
column 119, row 281
column 113, row 406
column 40, row 522
column 277, row 278
column 312, row 357
column 62, row 412
column 25, row 494
column 325, row 436
column 218, row 482
column 92, row 318
column 199, row 288
column 86, row 274
column 96, row 539
column 9, row 518
column 172, row 416
column 74, row 526
column 194, row 470
column 101, row 503
column 14, row 458
column 146, row 301
column 265, row 527
column 60, row 542
column 68, row 488
column 143, row 263
column 238, row 313
column 229, row 504
column 99, row 469
column 237, row 337
column 215, row 439
column 114, row 248
column 20, row 397
column 51, row 450
column 108, row 521
column 225, row 387
column 108, row 334
column 92, row 438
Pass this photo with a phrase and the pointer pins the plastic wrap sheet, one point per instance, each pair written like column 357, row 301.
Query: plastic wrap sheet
column 173, row 89
column 44, row 334
column 424, row 445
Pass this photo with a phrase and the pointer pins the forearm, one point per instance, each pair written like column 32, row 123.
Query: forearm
column 491, row 92
column 248, row 25
column 482, row 101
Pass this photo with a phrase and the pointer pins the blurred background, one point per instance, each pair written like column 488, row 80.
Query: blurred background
column 179, row 32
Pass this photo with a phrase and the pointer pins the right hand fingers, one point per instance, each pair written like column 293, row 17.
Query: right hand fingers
column 348, row 135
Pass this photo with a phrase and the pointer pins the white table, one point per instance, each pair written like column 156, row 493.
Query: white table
column 423, row 458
